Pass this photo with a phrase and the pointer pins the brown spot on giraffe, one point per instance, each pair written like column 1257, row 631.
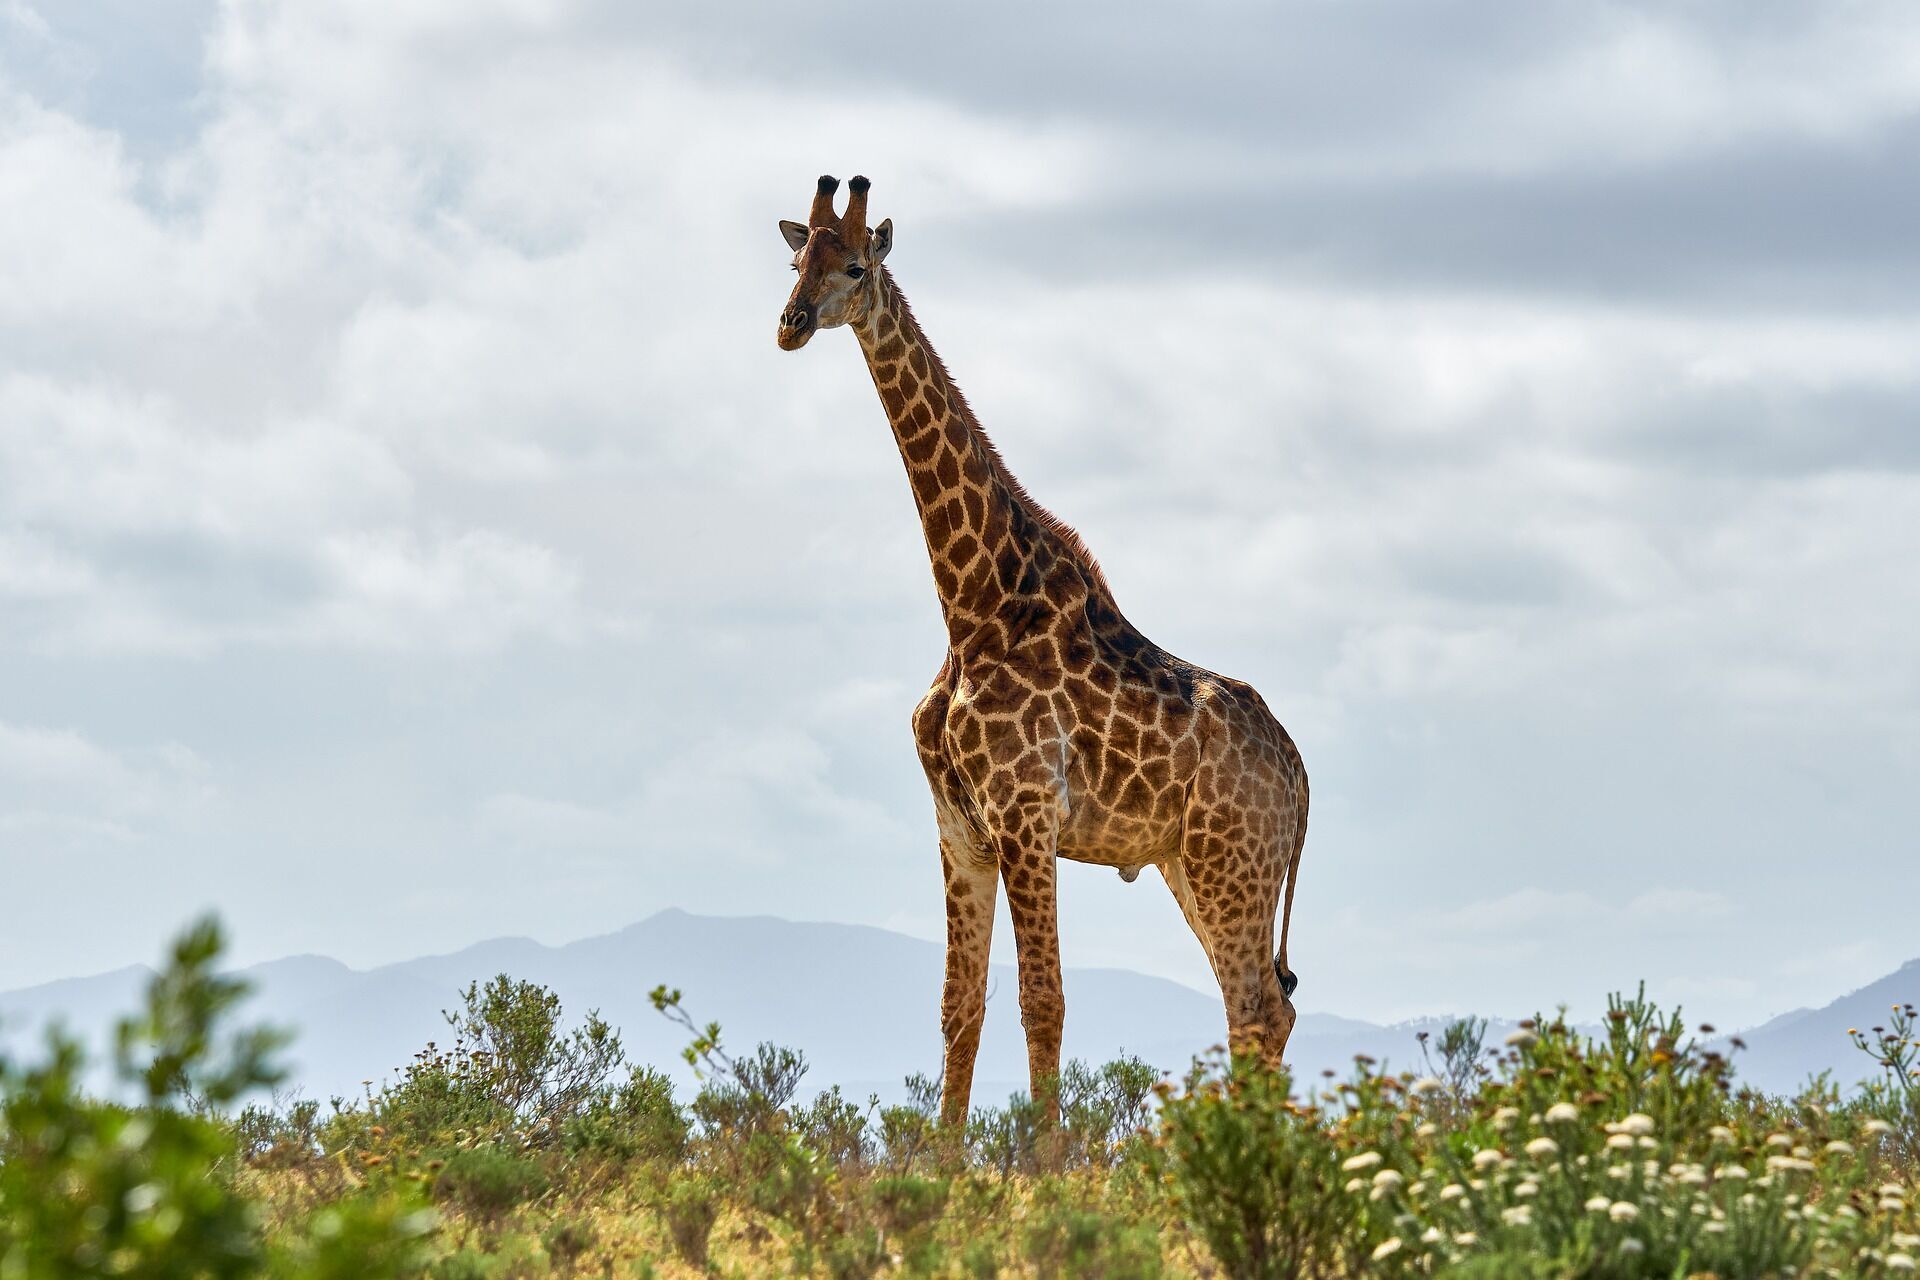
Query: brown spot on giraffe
column 1054, row 728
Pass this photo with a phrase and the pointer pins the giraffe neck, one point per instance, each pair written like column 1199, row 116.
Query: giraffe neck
column 992, row 548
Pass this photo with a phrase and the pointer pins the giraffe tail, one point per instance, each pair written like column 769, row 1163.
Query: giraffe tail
column 1289, row 980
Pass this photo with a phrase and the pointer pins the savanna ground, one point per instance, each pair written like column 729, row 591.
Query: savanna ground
column 523, row 1145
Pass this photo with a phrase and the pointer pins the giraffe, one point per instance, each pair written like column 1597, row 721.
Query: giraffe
column 1055, row 729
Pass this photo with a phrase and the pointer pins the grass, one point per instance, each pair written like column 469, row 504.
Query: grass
column 525, row 1148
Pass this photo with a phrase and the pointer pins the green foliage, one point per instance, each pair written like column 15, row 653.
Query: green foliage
column 692, row 1205
column 513, row 1070
column 565, row 1240
column 93, row 1188
column 1064, row 1237
column 488, row 1183
column 1103, row 1110
column 635, row 1120
column 1255, row 1174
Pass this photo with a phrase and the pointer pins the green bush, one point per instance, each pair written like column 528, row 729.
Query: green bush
column 1255, row 1175
column 92, row 1188
column 488, row 1184
column 513, row 1070
column 692, row 1206
column 635, row 1120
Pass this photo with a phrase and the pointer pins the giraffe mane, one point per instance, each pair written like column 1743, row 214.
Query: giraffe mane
column 1068, row 536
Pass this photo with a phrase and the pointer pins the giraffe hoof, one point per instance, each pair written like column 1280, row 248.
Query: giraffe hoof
column 1130, row 874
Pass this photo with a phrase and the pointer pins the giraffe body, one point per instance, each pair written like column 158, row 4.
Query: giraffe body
column 1054, row 728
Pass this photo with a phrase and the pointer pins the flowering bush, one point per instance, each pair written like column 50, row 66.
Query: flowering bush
column 1625, row 1155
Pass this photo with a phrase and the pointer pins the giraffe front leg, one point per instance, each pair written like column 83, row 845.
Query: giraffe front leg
column 1029, row 870
column 970, row 890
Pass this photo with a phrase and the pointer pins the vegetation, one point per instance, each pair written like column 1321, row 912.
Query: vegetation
column 528, row 1149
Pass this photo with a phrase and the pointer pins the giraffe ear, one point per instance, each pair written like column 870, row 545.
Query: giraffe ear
column 796, row 234
column 881, row 238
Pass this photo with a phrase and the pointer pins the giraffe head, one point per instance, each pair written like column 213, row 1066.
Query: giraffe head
column 838, row 259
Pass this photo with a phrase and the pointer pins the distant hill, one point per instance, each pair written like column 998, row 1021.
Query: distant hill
column 862, row 1003
column 1782, row 1052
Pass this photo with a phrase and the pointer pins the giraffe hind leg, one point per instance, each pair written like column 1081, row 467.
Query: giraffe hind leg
column 1233, row 914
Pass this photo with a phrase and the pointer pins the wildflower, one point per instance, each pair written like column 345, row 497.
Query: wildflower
column 1452, row 1191
column 1620, row 1142
column 1365, row 1160
column 1541, row 1148
column 1427, row 1130
column 1521, row 1039
column 1623, row 1211
column 1693, row 1175
column 1385, row 1183
column 1900, row 1262
column 1519, row 1216
column 1425, row 1085
column 1526, row 1189
column 1630, row 1245
column 1893, row 1204
column 1837, row 1148
column 1486, row 1159
column 1619, row 1171
column 1721, row 1134
column 1430, row 1236
column 1386, row 1248
column 1466, row 1238
column 1779, row 1140
column 1356, row 1184
column 1905, row 1240
column 1714, row 1228
column 1730, row 1171
column 1893, row 1189
column 1505, row 1116
column 1877, row 1127
column 1790, row 1162
column 1562, row 1113
column 1599, row 1204
column 1639, row 1124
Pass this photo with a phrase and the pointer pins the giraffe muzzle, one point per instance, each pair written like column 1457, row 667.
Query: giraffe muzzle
column 796, row 326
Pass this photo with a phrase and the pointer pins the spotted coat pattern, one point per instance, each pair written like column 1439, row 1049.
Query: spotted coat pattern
column 1054, row 728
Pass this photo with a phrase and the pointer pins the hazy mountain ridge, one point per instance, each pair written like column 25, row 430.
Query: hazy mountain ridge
column 861, row 1002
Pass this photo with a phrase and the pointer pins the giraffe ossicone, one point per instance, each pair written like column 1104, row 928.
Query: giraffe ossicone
column 1054, row 728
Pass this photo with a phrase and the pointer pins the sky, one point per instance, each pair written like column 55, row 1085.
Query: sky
column 411, row 534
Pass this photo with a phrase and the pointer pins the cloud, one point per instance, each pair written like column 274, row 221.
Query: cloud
column 1520, row 396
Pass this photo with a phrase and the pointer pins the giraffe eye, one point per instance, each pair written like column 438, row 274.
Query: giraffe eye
column 854, row 273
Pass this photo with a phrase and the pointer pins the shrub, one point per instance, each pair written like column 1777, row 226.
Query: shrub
column 692, row 1205
column 565, row 1240
column 91, row 1188
column 512, row 1069
column 636, row 1120
column 488, row 1184
column 1254, row 1174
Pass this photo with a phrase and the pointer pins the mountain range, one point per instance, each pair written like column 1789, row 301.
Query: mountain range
column 860, row 1002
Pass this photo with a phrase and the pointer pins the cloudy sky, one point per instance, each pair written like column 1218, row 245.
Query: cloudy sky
column 409, row 532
